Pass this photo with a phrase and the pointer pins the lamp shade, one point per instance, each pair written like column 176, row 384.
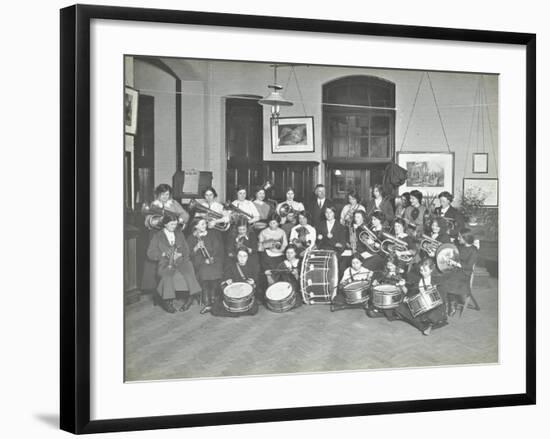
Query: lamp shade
column 275, row 99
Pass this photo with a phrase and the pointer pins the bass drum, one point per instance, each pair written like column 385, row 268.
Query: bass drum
column 238, row 297
column 319, row 276
column 280, row 297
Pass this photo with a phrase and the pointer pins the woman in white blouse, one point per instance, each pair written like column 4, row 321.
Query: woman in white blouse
column 246, row 206
column 303, row 235
column 294, row 205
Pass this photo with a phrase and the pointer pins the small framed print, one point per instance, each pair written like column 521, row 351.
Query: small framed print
column 131, row 97
column 292, row 135
column 480, row 162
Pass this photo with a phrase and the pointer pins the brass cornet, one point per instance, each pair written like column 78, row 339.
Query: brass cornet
column 204, row 251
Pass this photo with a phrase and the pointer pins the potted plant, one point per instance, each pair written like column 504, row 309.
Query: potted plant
column 472, row 203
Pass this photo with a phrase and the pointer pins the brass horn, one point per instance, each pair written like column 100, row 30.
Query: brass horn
column 392, row 243
column 429, row 245
column 369, row 238
column 210, row 215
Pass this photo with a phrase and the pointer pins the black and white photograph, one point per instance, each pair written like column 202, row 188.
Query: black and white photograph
column 299, row 219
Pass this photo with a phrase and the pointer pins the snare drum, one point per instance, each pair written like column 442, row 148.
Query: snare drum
column 319, row 276
column 424, row 302
column 386, row 296
column 356, row 292
column 238, row 297
column 280, row 297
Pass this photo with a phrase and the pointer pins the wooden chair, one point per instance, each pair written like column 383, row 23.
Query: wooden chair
column 470, row 301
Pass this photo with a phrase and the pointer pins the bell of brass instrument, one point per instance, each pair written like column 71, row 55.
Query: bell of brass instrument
column 392, row 244
column 429, row 245
column 285, row 209
column 210, row 215
column 267, row 186
column 272, row 243
column 447, row 257
column 153, row 216
column 369, row 238
column 204, row 251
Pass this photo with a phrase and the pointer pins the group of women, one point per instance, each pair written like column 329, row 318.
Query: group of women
column 260, row 242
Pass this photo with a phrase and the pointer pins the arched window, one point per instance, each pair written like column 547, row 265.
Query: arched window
column 358, row 133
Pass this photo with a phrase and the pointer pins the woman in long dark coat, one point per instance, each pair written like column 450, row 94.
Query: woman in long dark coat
column 169, row 249
column 207, row 252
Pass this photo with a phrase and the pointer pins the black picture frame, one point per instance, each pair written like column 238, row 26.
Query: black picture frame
column 75, row 217
column 479, row 154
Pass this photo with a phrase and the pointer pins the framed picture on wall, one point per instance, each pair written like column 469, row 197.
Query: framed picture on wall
column 131, row 97
column 480, row 163
column 427, row 172
column 145, row 365
column 487, row 187
column 292, row 135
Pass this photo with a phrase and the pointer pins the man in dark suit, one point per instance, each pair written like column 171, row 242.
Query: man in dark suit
column 317, row 208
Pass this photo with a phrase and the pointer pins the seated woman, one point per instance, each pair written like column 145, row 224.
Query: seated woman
column 288, row 225
column 455, row 284
column 163, row 203
column 288, row 270
column 303, row 235
column 420, row 279
column 409, row 254
column 355, row 272
column 169, row 249
column 392, row 275
column 354, row 203
column 271, row 244
column 331, row 234
column 241, row 237
column 367, row 248
column 242, row 269
column 289, row 205
column 437, row 232
column 208, row 259
column 247, row 206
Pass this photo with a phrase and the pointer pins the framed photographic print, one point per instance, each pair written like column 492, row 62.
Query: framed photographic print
column 131, row 97
column 292, row 134
column 168, row 317
column 427, row 172
column 486, row 186
column 480, row 163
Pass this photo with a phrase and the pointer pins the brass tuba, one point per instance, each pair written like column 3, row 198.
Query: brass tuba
column 285, row 209
column 210, row 215
column 392, row 243
column 369, row 238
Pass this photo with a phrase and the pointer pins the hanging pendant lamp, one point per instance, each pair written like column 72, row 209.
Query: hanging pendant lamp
column 275, row 99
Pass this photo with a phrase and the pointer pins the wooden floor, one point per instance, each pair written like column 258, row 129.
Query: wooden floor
column 309, row 338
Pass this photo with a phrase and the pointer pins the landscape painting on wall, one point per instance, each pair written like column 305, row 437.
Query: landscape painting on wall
column 427, row 172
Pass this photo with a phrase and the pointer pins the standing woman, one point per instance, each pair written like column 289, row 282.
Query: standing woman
column 163, row 203
column 354, row 204
column 246, row 206
column 169, row 249
column 402, row 207
column 416, row 214
column 455, row 220
column 210, row 201
column 378, row 203
column 289, row 204
column 264, row 208
column 208, row 260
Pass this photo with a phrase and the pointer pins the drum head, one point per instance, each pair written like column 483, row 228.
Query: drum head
column 387, row 288
column 357, row 285
column 279, row 291
column 238, row 290
column 444, row 253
